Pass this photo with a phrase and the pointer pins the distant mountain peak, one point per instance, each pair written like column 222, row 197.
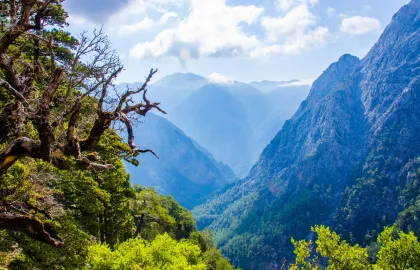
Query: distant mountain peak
column 404, row 24
column 179, row 76
column 348, row 58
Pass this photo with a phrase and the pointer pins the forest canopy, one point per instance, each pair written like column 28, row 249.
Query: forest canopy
column 394, row 249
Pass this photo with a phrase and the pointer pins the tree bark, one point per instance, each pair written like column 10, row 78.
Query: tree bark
column 31, row 226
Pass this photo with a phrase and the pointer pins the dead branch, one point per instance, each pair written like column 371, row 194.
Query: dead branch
column 29, row 225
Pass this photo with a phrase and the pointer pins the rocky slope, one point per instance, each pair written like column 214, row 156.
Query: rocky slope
column 348, row 158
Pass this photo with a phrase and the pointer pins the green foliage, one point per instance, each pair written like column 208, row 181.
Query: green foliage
column 161, row 253
column 339, row 253
column 256, row 228
column 8, row 250
column 103, row 206
column 185, row 223
column 302, row 251
column 397, row 250
column 38, row 255
column 212, row 257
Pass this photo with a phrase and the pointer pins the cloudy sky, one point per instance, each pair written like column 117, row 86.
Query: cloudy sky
column 244, row 40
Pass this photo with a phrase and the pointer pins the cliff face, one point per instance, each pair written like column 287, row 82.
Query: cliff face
column 319, row 140
column 389, row 80
column 348, row 157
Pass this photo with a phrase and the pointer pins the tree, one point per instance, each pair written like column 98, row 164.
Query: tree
column 162, row 253
column 212, row 257
column 58, row 101
column 150, row 215
column 155, row 214
column 339, row 253
column 397, row 250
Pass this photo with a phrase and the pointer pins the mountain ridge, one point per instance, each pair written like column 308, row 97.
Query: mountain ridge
column 347, row 158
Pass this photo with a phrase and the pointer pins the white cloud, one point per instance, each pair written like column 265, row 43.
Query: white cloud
column 139, row 7
column 291, row 34
column 219, row 78
column 126, row 21
column 211, row 28
column 146, row 23
column 297, row 20
column 294, row 45
column 308, row 81
column 358, row 25
column 286, row 5
column 79, row 21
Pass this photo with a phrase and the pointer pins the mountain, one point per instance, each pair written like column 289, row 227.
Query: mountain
column 267, row 86
column 218, row 121
column 258, row 115
column 284, row 102
column 235, row 121
column 171, row 90
column 348, row 158
column 184, row 169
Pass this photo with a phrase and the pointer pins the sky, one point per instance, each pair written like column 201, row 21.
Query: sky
column 243, row 40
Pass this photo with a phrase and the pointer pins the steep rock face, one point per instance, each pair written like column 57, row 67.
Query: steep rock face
column 317, row 130
column 347, row 158
column 184, row 169
column 390, row 84
column 283, row 102
column 266, row 112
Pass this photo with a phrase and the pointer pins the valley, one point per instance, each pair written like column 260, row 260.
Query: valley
column 349, row 150
column 210, row 134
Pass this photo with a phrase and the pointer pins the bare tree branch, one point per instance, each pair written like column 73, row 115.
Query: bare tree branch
column 29, row 225
column 138, row 90
column 13, row 91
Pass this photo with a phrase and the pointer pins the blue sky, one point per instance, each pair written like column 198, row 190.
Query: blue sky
column 244, row 40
